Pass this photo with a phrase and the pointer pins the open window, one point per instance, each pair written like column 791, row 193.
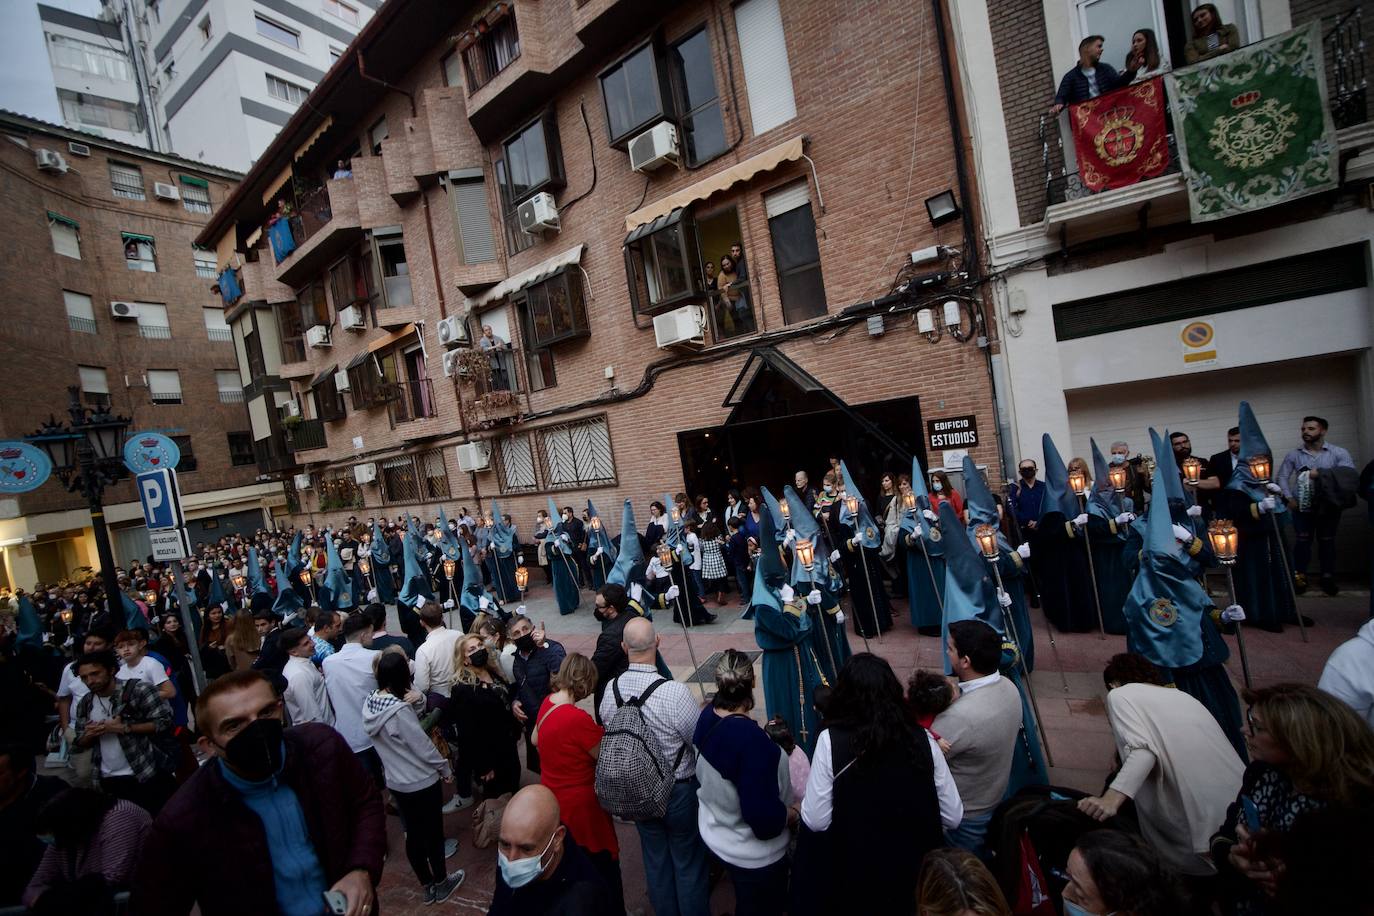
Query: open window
column 395, row 269
column 697, row 99
column 633, row 92
column 314, row 307
column 140, row 252
column 534, row 159
column 662, row 263
column 556, row 308
column 324, row 391
column 725, row 270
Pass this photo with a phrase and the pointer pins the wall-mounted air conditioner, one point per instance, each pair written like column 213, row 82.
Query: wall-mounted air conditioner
column 682, row 327
column 365, row 473
column 291, row 409
column 50, row 160
column 165, row 190
column 341, row 380
column 318, row 337
column 452, row 331
column 351, row 319
column 124, row 309
column 474, row 456
column 452, row 364
column 538, row 214
column 655, row 148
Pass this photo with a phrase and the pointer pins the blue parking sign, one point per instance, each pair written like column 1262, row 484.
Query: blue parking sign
column 161, row 499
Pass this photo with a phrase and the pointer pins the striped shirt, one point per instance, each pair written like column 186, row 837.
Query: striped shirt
column 110, row 854
column 671, row 714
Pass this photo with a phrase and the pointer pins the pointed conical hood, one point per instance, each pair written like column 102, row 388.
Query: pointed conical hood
column 335, row 579
column 771, row 507
column 1103, row 500
column 381, row 553
column 256, row 583
column 599, row 537
column 1058, row 497
column 965, row 569
column 630, row 553
column 416, row 580
column 279, row 573
column 288, row 601
column 30, row 628
column 865, row 528
column 1252, row 445
column 1164, row 607
column 448, row 540
column 808, row 528
column 674, row 534
column 978, row 499
column 918, row 482
column 769, row 575
column 293, row 553
column 556, row 517
column 502, row 535
column 1165, row 461
column 471, row 573
column 217, row 595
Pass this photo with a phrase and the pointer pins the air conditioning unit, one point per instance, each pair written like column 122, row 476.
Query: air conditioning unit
column 538, row 214
column 453, row 331
column 318, row 337
column 351, row 319
column 50, row 160
column 365, row 473
column 291, row 409
column 682, row 327
column 124, row 309
column 302, row 481
column 341, row 380
column 452, row 364
column 474, row 456
column 165, row 190
column 654, row 148
column 78, row 149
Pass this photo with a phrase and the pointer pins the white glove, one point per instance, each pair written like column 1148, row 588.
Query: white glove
column 565, row 539
column 1081, row 520
column 1003, row 598
column 484, row 602
column 1273, row 487
column 597, row 554
column 1183, row 534
column 1233, row 614
column 1125, row 518
column 372, row 595
column 839, row 617
column 1194, row 511
column 813, row 596
column 672, row 593
column 1267, row 504
column 1023, row 551
column 419, row 602
column 917, row 534
column 930, row 515
column 786, row 593
column 790, row 538
column 520, row 610
column 682, row 551
column 636, row 592
column 449, row 604
column 834, row 556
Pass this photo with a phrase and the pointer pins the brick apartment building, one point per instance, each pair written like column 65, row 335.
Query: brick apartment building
column 636, row 143
column 105, row 290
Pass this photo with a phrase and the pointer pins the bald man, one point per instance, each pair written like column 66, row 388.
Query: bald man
column 540, row 869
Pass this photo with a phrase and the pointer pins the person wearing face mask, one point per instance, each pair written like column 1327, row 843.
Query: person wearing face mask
column 1137, row 482
column 93, row 843
column 1111, row 873
column 941, row 490
column 1027, row 495
column 301, row 813
column 480, row 711
column 536, row 663
column 540, row 870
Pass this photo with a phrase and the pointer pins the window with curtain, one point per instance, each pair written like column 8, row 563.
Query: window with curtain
column 215, row 326
column 164, row 386
column 399, row 484
column 153, row 323
column 534, row 159
column 230, row 387
column 283, row 91
column 205, row 262
column 435, row 474
column 89, row 57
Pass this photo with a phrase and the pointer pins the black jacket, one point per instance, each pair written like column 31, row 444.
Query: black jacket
column 1074, row 86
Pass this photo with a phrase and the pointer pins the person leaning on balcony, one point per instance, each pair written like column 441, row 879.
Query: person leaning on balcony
column 490, row 343
column 1090, row 78
column 1211, row 38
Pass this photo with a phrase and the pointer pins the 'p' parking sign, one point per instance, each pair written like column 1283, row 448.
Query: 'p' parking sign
column 160, row 498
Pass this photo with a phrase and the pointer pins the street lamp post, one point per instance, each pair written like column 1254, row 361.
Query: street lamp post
column 86, row 457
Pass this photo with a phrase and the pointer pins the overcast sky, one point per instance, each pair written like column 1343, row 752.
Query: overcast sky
column 25, row 75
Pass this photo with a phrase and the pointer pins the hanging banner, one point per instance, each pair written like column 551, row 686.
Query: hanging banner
column 23, row 467
column 1121, row 138
column 1253, row 126
column 150, row 452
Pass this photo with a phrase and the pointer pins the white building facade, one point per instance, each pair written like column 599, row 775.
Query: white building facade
column 95, row 77
column 1096, row 290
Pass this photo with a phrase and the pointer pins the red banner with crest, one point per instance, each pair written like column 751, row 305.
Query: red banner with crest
column 1121, row 138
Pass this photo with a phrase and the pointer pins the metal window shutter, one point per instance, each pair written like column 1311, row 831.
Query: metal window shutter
column 164, row 381
column 227, row 380
column 93, row 380
column 151, row 314
column 257, row 419
column 767, row 73
column 78, row 305
column 65, row 241
column 785, row 200
column 474, row 222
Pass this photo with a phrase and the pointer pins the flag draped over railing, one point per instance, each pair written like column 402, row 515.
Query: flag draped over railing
column 1121, row 138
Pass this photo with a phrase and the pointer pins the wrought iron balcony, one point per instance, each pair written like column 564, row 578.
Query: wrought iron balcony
column 416, row 401
column 306, row 435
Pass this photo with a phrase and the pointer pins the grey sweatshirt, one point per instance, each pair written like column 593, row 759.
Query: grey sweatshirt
column 409, row 758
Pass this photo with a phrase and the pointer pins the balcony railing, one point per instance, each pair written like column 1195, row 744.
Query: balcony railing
column 222, row 335
column 81, row 325
column 271, row 454
column 231, row 395
column 306, row 435
column 314, row 211
column 416, row 401
column 492, row 384
column 493, row 52
column 154, row 331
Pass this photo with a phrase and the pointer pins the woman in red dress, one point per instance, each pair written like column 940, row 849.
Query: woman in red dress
column 569, row 742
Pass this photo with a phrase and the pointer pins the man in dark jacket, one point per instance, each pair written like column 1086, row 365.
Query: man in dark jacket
column 541, row 870
column 1091, row 77
column 611, row 608
column 537, row 660
column 301, row 815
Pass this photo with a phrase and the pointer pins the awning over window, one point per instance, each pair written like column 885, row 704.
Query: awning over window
column 390, row 340
column 195, row 182
column 64, row 220
column 649, row 228
column 277, row 186
column 358, row 360
column 540, row 271
column 135, row 237
column 301, row 150
column 314, row 382
column 741, row 172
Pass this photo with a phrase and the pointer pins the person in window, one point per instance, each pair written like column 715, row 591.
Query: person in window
column 492, row 345
column 1144, row 57
column 1210, row 37
column 734, row 290
column 1090, row 78
column 344, row 169
column 737, row 257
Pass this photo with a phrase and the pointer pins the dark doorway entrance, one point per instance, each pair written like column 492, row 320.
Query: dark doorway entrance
column 784, row 420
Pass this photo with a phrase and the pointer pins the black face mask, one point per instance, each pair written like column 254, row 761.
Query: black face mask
column 599, row 614
column 525, row 643
column 478, row 659
column 256, row 752
column 1028, row 473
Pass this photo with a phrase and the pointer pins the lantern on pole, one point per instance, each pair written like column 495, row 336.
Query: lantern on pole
column 1078, row 482
column 1260, row 468
column 1117, row 474
column 665, row 555
column 1225, row 541
column 806, row 553
column 596, row 522
column 987, row 541
column 852, row 504
column 365, row 566
column 450, row 567
column 522, row 578
column 786, row 511
column 1192, row 469
column 909, row 501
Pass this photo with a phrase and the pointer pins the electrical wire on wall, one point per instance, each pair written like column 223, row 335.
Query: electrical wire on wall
column 591, row 149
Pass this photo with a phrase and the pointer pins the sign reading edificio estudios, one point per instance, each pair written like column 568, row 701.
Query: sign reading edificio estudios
column 953, row 432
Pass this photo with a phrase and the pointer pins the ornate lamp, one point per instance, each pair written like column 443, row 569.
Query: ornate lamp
column 1118, row 478
column 909, row 502
column 239, row 581
column 522, row 577
column 987, row 541
column 675, row 514
column 365, row 566
column 66, row 615
column 852, row 504
column 450, row 566
column 665, row 555
column 1224, row 540
column 1192, row 469
column 786, row 511
column 151, row 597
column 306, row 578
column 596, row 522
column 1078, row 482
column 806, row 552
column 1260, row 468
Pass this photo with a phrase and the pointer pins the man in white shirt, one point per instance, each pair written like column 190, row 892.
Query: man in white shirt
column 434, row 657
column 1349, row 673
column 132, row 648
column 349, row 680
column 70, row 690
column 305, row 696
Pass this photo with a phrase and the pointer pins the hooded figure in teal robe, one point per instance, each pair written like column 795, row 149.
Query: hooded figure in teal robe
column 971, row 594
column 501, row 559
column 628, row 572
column 336, row 594
column 1108, row 528
column 288, row 602
column 473, row 599
column 1262, row 556
column 217, row 596
column 1170, row 621
column 782, row 628
column 557, row 547
column 29, row 632
column 257, row 583
column 416, row 584
column 1059, row 554
column 921, row 542
column 379, row 562
column 864, row 569
column 982, row 508
column 603, row 552
column 817, row 589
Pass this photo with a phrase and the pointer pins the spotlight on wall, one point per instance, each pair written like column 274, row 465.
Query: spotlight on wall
column 942, row 208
